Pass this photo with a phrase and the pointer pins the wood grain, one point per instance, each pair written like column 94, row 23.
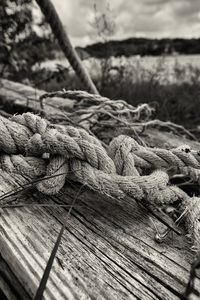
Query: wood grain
column 106, row 251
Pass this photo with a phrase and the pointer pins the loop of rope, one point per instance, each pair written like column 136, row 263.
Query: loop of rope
column 128, row 155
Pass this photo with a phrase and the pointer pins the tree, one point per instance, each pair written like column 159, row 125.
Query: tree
column 15, row 20
column 20, row 45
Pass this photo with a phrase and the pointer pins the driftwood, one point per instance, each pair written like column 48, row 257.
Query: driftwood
column 107, row 251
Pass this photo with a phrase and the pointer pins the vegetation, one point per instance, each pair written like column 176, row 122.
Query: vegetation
column 179, row 103
column 143, row 46
column 20, row 45
column 21, row 48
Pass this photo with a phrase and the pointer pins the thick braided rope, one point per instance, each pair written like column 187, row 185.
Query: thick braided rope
column 16, row 171
column 29, row 134
column 111, row 184
column 31, row 167
column 35, row 136
column 131, row 158
column 32, row 135
column 53, row 19
column 152, row 188
column 76, row 155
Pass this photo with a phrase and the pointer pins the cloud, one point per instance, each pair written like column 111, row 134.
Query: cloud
column 148, row 18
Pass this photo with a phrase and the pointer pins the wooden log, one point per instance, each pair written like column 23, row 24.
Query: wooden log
column 107, row 251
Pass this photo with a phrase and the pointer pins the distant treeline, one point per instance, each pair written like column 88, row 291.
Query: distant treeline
column 143, row 46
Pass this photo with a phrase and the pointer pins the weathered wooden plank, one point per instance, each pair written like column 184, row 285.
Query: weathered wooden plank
column 107, row 252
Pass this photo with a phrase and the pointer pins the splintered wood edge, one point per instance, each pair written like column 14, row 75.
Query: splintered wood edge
column 106, row 251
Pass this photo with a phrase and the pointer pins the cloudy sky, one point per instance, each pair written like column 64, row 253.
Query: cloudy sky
column 133, row 18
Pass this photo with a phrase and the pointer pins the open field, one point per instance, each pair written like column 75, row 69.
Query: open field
column 166, row 67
